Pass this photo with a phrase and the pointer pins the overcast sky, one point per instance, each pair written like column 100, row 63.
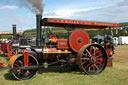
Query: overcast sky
column 94, row 10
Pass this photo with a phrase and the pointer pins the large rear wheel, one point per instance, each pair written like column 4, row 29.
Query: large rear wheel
column 92, row 59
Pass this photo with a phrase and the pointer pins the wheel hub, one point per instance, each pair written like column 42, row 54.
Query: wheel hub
column 92, row 60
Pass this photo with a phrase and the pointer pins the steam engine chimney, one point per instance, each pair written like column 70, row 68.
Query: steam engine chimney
column 38, row 30
column 14, row 32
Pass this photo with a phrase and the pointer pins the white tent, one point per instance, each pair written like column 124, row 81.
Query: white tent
column 123, row 40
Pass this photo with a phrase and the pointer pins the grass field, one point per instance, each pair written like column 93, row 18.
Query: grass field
column 117, row 75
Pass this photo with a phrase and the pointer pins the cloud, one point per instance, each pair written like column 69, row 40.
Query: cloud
column 115, row 13
column 109, row 14
column 123, row 3
column 92, row 10
column 8, row 7
column 65, row 13
column 69, row 12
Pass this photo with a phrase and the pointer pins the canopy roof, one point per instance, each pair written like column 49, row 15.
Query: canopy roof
column 77, row 23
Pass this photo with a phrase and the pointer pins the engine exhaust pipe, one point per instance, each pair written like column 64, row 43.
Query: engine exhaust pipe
column 38, row 30
column 14, row 32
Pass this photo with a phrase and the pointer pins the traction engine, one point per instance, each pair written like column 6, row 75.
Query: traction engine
column 13, row 45
column 51, row 50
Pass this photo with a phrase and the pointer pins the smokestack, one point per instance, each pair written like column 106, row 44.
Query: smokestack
column 14, row 31
column 38, row 30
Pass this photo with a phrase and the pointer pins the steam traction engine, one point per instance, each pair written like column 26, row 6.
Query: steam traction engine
column 7, row 46
column 12, row 46
column 50, row 50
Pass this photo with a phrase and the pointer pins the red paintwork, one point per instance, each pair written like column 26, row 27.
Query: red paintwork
column 2, row 63
column 109, row 63
column 9, row 46
column 62, row 44
column 26, row 57
column 75, row 37
column 53, row 39
column 12, row 52
column 4, row 46
column 109, row 51
column 77, row 23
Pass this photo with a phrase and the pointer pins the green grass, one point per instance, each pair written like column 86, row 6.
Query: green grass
column 65, row 76
column 124, row 24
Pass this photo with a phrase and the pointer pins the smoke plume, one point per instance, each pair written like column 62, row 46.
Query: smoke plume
column 35, row 6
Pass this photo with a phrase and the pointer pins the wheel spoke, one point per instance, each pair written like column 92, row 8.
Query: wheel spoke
column 99, row 55
column 85, row 54
column 12, row 53
column 17, row 61
column 88, row 53
column 100, row 63
column 94, row 49
column 85, row 58
column 84, row 62
column 97, row 67
column 96, row 52
column 101, row 59
column 17, row 65
column 21, row 62
column 87, row 66
column 26, row 73
column 90, row 49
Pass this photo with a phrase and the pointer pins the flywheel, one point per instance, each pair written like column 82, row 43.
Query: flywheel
column 78, row 39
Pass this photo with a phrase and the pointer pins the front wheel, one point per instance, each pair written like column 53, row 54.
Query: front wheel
column 92, row 59
column 22, row 74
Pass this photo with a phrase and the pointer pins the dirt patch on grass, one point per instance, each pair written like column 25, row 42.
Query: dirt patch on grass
column 121, row 57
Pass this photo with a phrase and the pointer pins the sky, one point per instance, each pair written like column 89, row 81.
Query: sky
column 13, row 12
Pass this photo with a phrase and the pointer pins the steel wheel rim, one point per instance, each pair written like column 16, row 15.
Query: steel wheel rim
column 92, row 59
